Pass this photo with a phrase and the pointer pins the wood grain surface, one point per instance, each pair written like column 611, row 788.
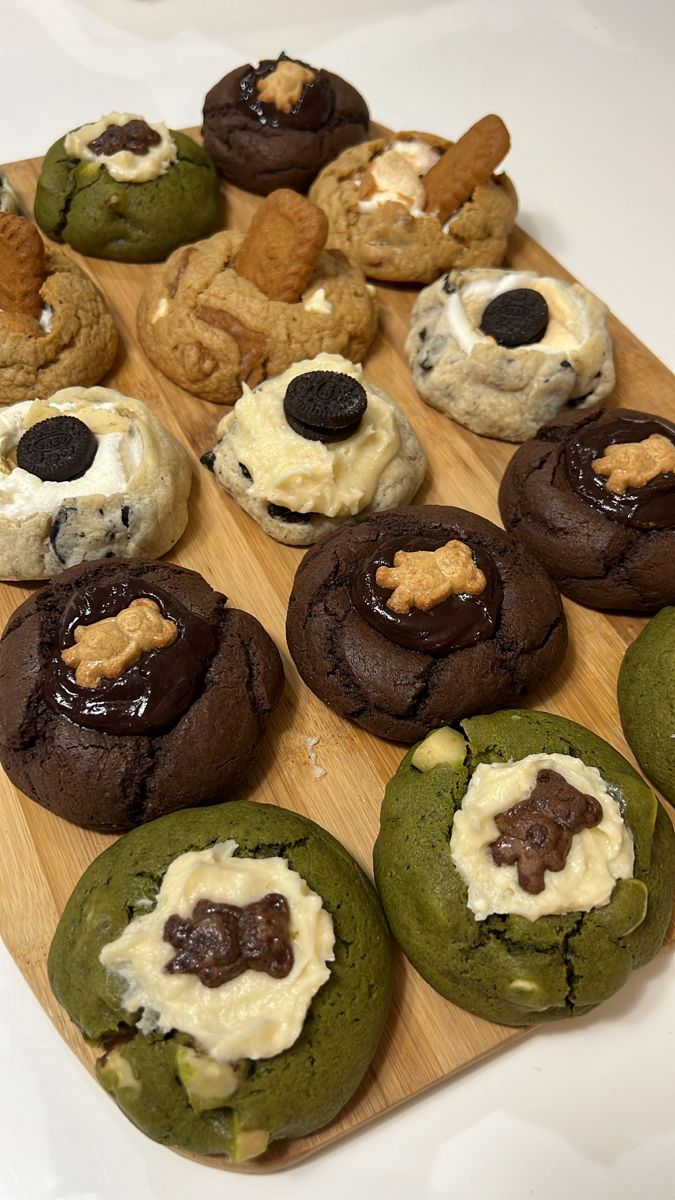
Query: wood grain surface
column 42, row 857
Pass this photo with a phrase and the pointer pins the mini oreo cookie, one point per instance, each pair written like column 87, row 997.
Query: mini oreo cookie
column 325, row 406
column 516, row 318
column 57, row 450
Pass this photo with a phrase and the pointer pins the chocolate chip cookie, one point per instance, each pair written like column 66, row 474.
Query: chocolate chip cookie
column 414, row 616
column 592, row 497
column 131, row 690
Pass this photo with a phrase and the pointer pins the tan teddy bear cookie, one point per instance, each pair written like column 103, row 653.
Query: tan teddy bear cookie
column 55, row 329
column 409, row 207
column 235, row 310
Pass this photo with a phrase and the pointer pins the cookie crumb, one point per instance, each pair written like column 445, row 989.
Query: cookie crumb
column 317, row 771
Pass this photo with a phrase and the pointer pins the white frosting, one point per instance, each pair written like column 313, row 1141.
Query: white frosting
column 418, row 153
column 124, row 166
column 118, row 456
column 318, row 302
column 597, row 857
column 397, row 176
column 568, row 326
column 46, row 318
column 338, row 479
column 252, row 1016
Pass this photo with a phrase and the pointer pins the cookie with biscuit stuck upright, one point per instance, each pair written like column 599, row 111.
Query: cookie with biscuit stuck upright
column 237, row 309
column 316, row 448
column 55, row 328
column 136, row 691
column 416, row 616
column 277, row 124
column 592, row 497
column 127, row 189
column 413, row 205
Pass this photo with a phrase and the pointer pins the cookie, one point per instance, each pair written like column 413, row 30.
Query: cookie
column 592, row 496
column 315, row 449
column 646, row 694
column 123, row 189
column 88, row 474
column 501, row 352
column 108, row 721
column 213, row 329
column 231, row 1082
column 418, row 615
column 525, row 868
column 411, row 206
column 276, row 125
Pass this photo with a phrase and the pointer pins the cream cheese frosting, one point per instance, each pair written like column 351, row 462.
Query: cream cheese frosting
column 124, row 166
column 252, row 1016
column 568, row 325
column 598, row 857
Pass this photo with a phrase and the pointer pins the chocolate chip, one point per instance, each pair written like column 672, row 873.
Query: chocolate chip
column 287, row 514
column 448, row 286
column 58, row 449
column 245, row 471
column 125, row 515
column 136, row 136
column 566, row 366
column 325, row 406
column 208, row 459
column 516, row 318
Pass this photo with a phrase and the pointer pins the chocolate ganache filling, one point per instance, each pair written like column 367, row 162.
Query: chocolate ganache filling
column 152, row 693
column 311, row 111
column 651, row 506
column 459, row 621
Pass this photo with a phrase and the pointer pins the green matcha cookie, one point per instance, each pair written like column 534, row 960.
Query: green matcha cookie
column 506, row 966
column 78, row 201
column 161, row 1079
column 646, row 692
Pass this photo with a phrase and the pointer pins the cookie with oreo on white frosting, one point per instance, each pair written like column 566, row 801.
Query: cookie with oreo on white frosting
column 316, row 448
column 89, row 474
column 501, row 352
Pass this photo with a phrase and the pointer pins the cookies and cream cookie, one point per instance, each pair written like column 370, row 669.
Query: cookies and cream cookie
column 411, row 206
column 135, row 691
column 501, row 352
column 55, row 328
column 525, row 868
column 314, row 449
column 412, row 617
column 237, row 308
column 87, row 474
column 246, row 957
column 646, row 697
column 277, row 124
column 125, row 189
column 592, row 497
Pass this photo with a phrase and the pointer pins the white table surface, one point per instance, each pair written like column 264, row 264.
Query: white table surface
column 588, row 92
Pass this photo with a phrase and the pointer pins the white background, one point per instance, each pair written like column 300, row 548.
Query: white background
column 588, row 92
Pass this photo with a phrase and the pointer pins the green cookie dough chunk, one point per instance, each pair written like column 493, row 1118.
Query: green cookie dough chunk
column 646, row 692
column 175, row 1095
column 507, row 968
column 80, row 203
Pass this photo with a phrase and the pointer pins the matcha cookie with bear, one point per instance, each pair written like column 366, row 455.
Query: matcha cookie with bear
column 182, row 935
column 524, row 866
column 125, row 189
column 646, row 693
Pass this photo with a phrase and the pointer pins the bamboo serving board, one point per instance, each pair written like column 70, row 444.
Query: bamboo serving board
column 42, row 857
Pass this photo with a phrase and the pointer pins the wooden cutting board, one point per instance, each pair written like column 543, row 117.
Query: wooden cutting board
column 42, row 857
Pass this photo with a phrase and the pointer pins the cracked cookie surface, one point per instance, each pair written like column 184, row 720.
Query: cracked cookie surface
column 508, row 968
column 402, row 693
column 646, row 696
column 112, row 782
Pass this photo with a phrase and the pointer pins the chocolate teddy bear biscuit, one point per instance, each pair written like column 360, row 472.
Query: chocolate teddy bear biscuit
column 134, row 691
column 124, row 189
column 262, row 1003
column 646, row 696
column 501, row 352
column 419, row 614
column 276, row 125
column 88, row 474
column 525, row 868
column 408, row 207
column 592, row 497
column 55, row 328
column 314, row 449
column 237, row 309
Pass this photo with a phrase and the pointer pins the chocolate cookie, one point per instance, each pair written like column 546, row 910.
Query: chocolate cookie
column 419, row 614
column 129, row 691
column 592, row 496
column 646, row 695
column 231, row 1084
column 525, row 868
column 277, row 124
